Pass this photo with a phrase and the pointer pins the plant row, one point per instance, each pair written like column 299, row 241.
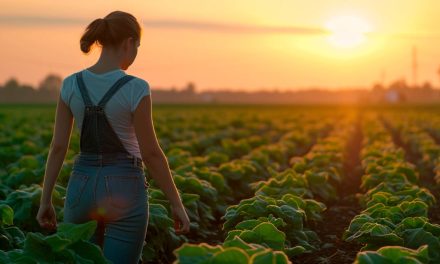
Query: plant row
column 277, row 215
column 230, row 180
column 393, row 227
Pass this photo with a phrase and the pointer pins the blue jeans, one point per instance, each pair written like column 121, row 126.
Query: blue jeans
column 113, row 192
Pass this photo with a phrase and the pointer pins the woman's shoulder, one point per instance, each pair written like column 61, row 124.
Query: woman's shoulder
column 69, row 80
column 67, row 87
column 139, row 84
column 140, row 89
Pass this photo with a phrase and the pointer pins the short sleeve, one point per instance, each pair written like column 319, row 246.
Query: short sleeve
column 66, row 91
column 142, row 89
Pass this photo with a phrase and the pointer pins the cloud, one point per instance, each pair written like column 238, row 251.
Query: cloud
column 238, row 28
column 37, row 21
column 166, row 24
column 31, row 21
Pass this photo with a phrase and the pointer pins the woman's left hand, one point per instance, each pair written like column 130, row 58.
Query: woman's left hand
column 46, row 216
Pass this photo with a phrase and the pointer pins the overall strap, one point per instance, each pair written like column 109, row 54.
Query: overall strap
column 83, row 89
column 118, row 84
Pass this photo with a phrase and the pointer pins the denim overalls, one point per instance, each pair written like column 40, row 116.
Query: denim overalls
column 108, row 184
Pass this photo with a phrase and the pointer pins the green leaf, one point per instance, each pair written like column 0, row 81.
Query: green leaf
column 89, row 251
column 269, row 257
column 195, row 254
column 7, row 215
column 230, row 255
column 394, row 255
column 265, row 233
column 75, row 232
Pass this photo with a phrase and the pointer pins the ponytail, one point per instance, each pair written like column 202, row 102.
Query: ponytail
column 110, row 31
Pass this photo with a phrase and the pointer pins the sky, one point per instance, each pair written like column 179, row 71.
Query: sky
column 229, row 44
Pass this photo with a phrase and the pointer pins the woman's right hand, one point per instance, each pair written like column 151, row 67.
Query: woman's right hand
column 181, row 219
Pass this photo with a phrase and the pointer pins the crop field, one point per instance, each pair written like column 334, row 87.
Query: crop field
column 261, row 184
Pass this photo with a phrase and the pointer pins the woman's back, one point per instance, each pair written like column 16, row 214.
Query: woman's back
column 120, row 107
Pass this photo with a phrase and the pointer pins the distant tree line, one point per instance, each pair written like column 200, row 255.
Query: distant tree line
column 400, row 91
column 47, row 91
column 397, row 91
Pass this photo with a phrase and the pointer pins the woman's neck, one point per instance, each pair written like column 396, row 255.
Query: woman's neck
column 108, row 61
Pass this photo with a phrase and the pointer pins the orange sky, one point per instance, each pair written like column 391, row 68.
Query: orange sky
column 246, row 44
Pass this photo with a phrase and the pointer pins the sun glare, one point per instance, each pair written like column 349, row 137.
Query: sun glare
column 347, row 31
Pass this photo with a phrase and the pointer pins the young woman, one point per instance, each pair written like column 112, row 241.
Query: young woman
column 113, row 112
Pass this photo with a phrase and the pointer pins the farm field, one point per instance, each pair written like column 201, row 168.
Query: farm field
column 261, row 184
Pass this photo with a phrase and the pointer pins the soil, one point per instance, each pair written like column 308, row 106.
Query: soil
column 338, row 216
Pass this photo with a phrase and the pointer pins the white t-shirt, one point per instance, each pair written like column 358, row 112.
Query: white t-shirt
column 119, row 109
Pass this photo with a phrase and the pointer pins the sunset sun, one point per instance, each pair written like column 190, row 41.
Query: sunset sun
column 347, row 31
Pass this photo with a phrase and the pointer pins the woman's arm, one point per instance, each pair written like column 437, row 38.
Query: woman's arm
column 151, row 151
column 156, row 161
column 58, row 149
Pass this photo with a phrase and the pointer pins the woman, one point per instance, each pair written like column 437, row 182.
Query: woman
column 113, row 112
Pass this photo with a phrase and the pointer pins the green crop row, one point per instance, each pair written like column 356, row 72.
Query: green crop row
column 415, row 133
column 276, row 216
column 258, row 164
column 393, row 227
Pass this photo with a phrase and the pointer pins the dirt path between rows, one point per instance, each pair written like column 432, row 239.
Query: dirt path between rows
column 339, row 214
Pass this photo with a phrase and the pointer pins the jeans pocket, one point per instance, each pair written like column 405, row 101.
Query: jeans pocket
column 123, row 190
column 75, row 187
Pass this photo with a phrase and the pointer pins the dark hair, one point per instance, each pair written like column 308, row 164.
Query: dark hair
column 111, row 30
